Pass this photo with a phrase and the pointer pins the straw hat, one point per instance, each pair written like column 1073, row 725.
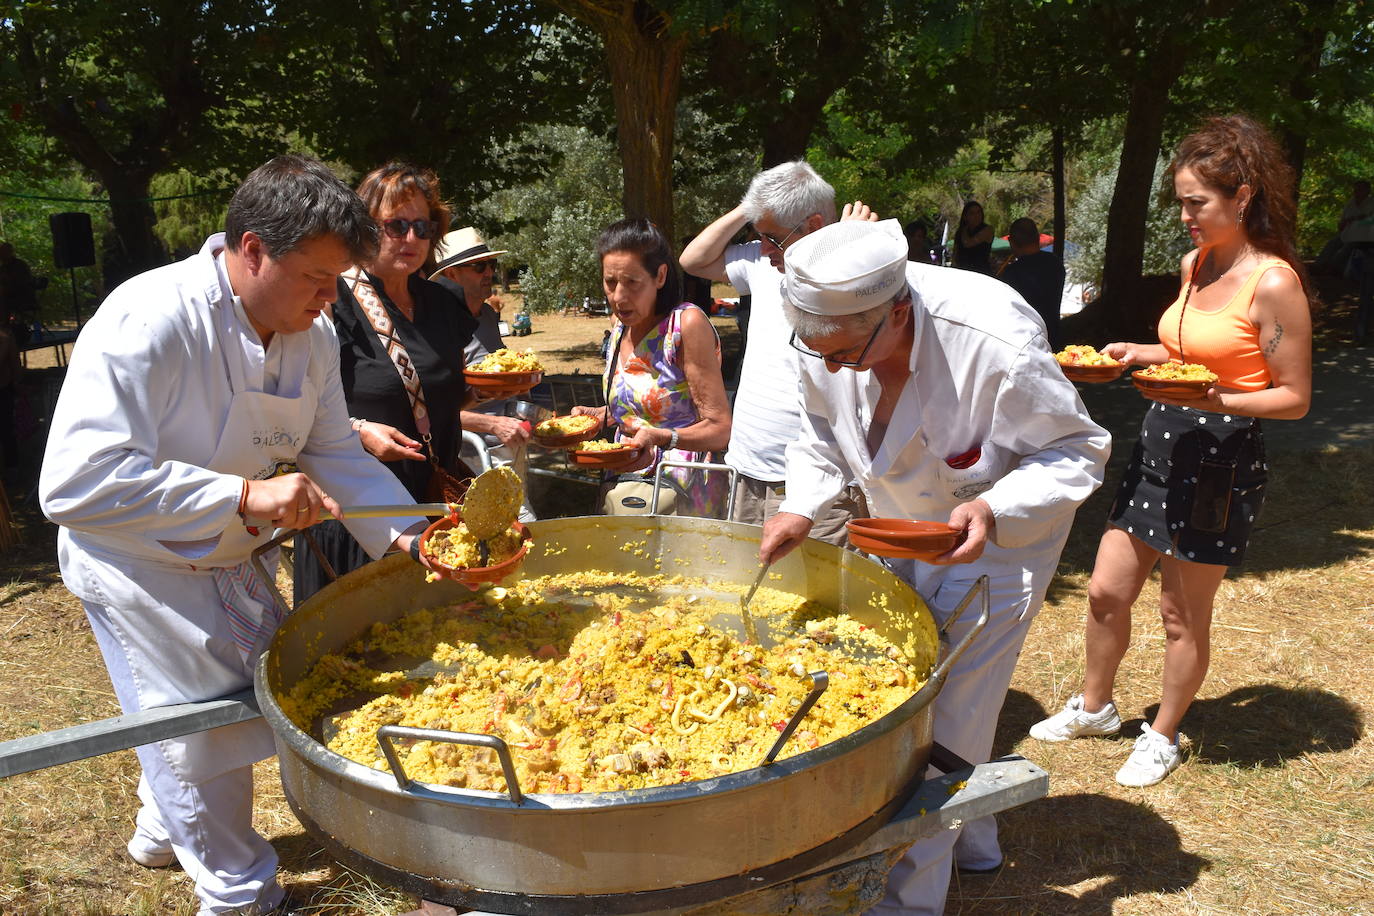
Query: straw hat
column 461, row 246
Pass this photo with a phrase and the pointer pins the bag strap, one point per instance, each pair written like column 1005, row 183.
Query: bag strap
column 377, row 316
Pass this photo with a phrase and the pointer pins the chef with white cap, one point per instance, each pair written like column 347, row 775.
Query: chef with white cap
column 935, row 390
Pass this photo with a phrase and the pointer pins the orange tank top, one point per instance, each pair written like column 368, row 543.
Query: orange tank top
column 1225, row 341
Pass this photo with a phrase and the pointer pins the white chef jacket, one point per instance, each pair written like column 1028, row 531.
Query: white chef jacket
column 982, row 377
column 141, row 412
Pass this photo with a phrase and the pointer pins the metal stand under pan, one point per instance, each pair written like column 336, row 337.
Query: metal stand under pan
column 964, row 793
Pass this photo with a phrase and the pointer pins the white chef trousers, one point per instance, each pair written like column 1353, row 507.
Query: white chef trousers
column 966, row 713
column 208, row 825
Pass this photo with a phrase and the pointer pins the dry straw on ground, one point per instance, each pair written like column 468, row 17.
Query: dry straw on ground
column 1273, row 811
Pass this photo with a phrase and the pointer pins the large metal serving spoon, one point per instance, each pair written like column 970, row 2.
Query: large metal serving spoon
column 492, row 503
column 751, row 632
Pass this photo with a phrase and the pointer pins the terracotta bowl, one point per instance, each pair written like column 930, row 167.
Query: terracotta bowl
column 1170, row 388
column 474, row 575
column 502, row 382
column 902, row 537
column 566, row 439
column 613, row 458
column 1092, row 373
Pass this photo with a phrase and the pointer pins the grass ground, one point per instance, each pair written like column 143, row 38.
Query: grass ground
column 1273, row 811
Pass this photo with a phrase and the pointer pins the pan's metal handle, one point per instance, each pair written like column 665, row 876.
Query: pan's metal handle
column 979, row 589
column 386, row 733
column 819, row 681
column 259, row 569
column 708, row 466
column 479, row 446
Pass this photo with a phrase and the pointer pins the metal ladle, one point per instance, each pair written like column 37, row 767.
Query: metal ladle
column 751, row 632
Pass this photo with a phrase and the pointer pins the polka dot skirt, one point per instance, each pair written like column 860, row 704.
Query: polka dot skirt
column 1179, row 470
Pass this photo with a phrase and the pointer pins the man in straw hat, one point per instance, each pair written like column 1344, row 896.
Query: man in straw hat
column 935, row 391
column 466, row 266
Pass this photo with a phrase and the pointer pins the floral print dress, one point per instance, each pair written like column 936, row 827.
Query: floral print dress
column 652, row 385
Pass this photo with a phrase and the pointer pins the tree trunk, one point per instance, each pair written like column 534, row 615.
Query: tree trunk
column 1140, row 146
column 139, row 249
column 645, row 63
column 786, row 137
column 1057, row 180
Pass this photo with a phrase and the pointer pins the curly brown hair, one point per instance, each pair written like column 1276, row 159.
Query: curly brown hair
column 1233, row 150
column 391, row 185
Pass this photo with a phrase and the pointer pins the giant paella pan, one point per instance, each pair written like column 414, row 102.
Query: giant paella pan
column 781, row 806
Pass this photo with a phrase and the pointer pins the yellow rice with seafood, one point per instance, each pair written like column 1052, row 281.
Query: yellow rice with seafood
column 593, row 692
column 565, row 426
column 456, row 547
column 601, row 445
column 1084, row 355
column 1179, row 372
column 508, row 360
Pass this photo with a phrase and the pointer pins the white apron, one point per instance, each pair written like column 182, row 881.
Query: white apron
column 170, row 623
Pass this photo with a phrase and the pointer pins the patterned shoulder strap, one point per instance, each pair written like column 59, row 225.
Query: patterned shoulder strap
column 375, row 312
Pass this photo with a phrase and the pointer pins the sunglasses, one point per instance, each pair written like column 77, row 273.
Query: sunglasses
column 397, row 228
column 481, row 267
column 774, row 242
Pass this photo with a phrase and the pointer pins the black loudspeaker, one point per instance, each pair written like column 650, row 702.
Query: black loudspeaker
column 72, row 244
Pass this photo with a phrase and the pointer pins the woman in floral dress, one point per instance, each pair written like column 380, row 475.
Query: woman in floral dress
column 664, row 390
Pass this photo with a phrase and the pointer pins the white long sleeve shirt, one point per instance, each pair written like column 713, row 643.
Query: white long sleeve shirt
column 982, row 377
column 141, row 413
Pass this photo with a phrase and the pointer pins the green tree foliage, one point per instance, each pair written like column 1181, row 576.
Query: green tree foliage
column 553, row 220
column 194, row 208
column 440, row 84
column 129, row 90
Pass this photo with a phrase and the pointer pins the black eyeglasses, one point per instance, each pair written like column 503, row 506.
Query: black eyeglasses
column 832, row 358
column 397, row 228
column 482, row 267
column 774, row 242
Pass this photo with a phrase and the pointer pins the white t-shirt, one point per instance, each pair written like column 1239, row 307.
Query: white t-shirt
column 767, row 412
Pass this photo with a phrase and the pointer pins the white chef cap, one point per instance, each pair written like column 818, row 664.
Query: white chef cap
column 846, row 267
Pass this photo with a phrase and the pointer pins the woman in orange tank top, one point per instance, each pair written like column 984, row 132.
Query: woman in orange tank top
column 1196, row 478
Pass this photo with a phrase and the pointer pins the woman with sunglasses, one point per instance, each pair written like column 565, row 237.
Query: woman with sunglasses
column 388, row 315
column 663, row 383
column 1195, row 482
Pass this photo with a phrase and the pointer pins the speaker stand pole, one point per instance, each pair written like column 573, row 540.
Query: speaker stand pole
column 76, row 304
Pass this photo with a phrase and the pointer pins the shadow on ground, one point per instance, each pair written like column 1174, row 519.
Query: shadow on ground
column 1121, row 848
column 1265, row 725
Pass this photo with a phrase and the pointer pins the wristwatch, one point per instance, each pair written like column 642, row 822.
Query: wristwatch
column 415, row 548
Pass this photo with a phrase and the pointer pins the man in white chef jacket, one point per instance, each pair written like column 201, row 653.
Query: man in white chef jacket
column 203, row 395
column 934, row 390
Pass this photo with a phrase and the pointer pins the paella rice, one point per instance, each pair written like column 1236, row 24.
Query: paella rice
column 1084, row 355
column 508, row 360
column 456, row 547
column 601, row 445
column 1179, row 372
column 601, row 681
column 566, row 426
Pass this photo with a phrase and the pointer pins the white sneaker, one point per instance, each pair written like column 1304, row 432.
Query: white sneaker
column 1073, row 722
column 1153, row 759
column 150, row 858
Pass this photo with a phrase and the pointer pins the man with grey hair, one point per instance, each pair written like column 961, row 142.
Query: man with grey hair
column 785, row 203
column 201, row 410
column 953, row 409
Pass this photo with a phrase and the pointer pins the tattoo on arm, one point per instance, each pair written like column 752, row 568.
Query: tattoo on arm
column 1273, row 343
